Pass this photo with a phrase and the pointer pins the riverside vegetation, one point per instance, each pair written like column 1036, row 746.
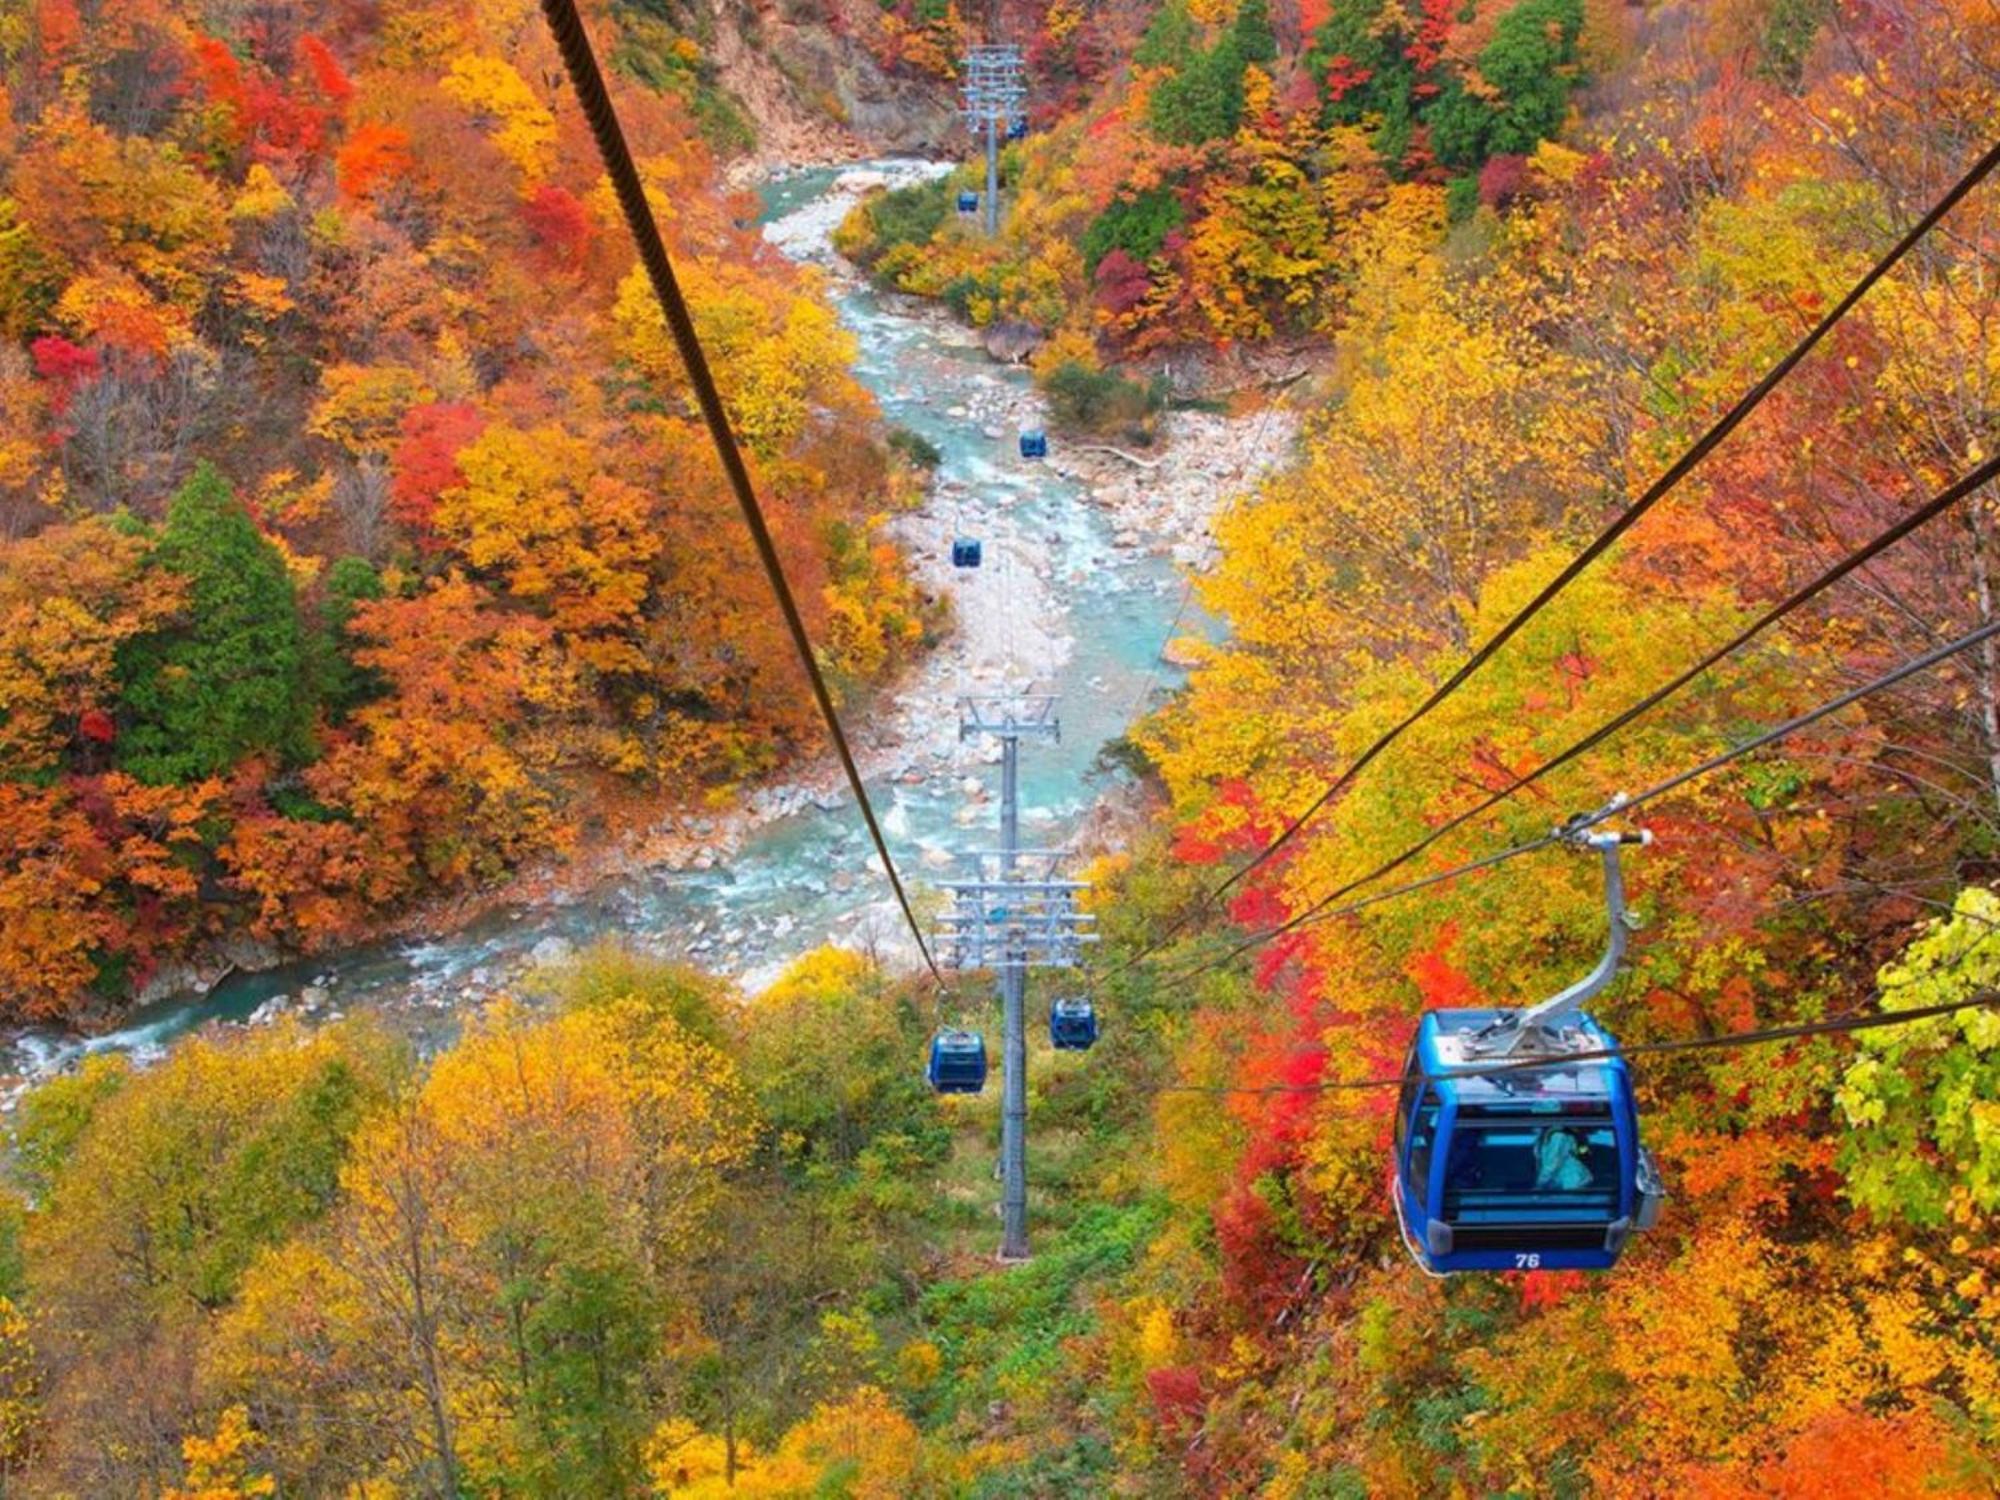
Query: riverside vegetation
column 639, row 1234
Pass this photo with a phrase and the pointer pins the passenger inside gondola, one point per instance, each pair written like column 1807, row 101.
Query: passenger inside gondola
column 1491, row 1166
column 1559, row 1162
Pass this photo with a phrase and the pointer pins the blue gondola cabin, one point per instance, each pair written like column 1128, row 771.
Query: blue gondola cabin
column 968, row 203
column 1017, row 128
column 1034, row 443
column 965, row 553
column 1072, row 1025
column 1539, row 1169
column 957, row 1062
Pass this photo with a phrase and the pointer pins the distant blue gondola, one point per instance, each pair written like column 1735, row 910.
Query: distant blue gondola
column 965, row 553
column 1034, row 443
column 1511, row 1157
column 1072, row 1025
column 968, row 203
column 1017, row 128
column 957, row 1063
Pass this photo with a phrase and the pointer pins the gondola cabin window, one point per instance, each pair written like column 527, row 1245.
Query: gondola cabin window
column 1565, row 1170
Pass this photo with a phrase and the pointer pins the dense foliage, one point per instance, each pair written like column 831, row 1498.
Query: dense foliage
column 1816, row 1313
column 547, row 1263
column 355, row 528
column 1533, row 311
column 1221, row 184
column 639, row 1234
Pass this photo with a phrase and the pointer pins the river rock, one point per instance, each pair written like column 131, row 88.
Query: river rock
column 270, row 1010
column 551, row 950
column 313, row 996
column 177, row 977
column 1182, row 651
column 252, row 955
column 1011, row 341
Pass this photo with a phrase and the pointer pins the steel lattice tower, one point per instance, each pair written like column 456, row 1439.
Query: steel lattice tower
column 1013, row 915
column 994, row 89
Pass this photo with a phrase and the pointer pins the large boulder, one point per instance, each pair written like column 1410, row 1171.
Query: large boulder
column 1012, row 341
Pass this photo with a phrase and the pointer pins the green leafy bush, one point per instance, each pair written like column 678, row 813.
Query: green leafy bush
column 914, row 447
column 901, row 216
column 1203, row 101
column 1103, row 401
column 1138, row 225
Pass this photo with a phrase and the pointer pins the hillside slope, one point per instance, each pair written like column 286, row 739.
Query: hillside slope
column 636, row 1233
column 360, row 540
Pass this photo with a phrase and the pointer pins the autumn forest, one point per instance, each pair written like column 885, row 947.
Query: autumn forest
column 368, row 574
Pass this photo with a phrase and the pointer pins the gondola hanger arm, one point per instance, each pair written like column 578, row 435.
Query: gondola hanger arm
column 1517, row 1030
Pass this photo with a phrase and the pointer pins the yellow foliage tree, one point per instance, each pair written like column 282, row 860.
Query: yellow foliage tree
column 218, row 1467
column 20, row 1387
column 537, row 508
column 776, row 359
column 360, row 406
column 69, row 597
column 523, row 129
column 538, row 1159
column 684, row 1461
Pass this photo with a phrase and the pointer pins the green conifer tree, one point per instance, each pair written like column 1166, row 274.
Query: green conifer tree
column 229, row 681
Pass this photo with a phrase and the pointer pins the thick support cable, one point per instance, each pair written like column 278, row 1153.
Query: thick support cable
column 566, row 26
column 1837, row 1026
column 1599, row 545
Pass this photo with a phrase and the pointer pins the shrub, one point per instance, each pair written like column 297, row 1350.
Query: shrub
column 1139, row 226
column 1461, row 198
column 1203, row 101
column 1102, row 401
column 1501, row 180
column 919, row 450
column 901, row 216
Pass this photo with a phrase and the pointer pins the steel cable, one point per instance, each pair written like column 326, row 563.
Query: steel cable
column 1321, row 912
column 1838, row 1026
column 1601, row 543
column 580, row 60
